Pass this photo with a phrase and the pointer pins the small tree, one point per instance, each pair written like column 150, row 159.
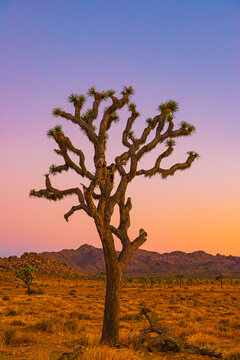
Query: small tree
column 27, row 275
column 220, row 279
column 105, row 191
column 180, row 278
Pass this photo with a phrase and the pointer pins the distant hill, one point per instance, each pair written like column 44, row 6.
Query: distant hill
column 89, row 259
column 43, row 265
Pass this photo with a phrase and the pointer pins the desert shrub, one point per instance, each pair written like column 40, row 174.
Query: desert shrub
column 182, row 323
column 128, row 317
column 20, row 339
column 104, row 352
column 80, row 316
column 8, row 335
column 138, row 317
column 46, row 325
column 83, row 339
column 40, row 292
column 228, row 313
column 11, row 312
column 236, row 326
column 17, row 323
column 35, row 292
column 70, row 325
column 5, row 298
column 73, row 293
column 234, row 356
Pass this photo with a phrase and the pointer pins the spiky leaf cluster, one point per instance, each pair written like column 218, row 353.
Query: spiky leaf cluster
column 132, row 107
column 128, row 90
column 32, row 192
column 111, row 92
column 130, row 134
column 91, row 91
column 53, row 169
column 115, row 118
column 74, row 98
column 169, row 118
column 170, row 104
column 50, row 133
column 149, row 121
column 53, row 131
column 88, row 112
column 184, row 125
column 193, row 153
column 56, row 112
column 170, row 142
column 162, row 107
column 104, row 95
column 189, row 127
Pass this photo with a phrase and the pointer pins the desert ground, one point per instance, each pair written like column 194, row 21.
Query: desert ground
column 63, row 314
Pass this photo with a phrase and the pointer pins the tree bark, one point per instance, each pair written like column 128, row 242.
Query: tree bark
column 110, row 331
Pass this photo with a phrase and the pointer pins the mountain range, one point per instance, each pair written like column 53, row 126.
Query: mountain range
column 89, row 259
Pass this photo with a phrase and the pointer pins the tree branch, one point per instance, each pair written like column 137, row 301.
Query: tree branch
column 54, row 194
column 65, row 144
column 171, row 171
column 77, row 120
column 76, row 208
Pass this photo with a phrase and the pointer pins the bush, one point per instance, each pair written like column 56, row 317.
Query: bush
column 46, row 325
column 72, row 293
column 70, row 325
column 234, row 356
column 12, row 312
column 80, row 316
column 8, row 335
column 17, row 323
column 5, row 298
column 128, row 317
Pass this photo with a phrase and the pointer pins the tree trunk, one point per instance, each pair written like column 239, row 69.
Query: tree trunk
column 28, row 289
column 110, row 331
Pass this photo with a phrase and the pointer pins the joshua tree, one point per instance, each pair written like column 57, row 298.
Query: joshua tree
column 27, row 275
column 220, row 279
column 105, row 190
column 179, row 278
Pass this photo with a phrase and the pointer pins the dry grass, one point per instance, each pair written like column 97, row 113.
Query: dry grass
column 61, row 316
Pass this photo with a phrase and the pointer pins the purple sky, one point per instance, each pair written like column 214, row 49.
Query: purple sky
column 185, row 50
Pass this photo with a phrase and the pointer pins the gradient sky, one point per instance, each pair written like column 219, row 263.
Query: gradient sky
column 185, row 50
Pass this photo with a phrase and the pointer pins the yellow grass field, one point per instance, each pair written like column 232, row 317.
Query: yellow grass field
column 64, row 314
